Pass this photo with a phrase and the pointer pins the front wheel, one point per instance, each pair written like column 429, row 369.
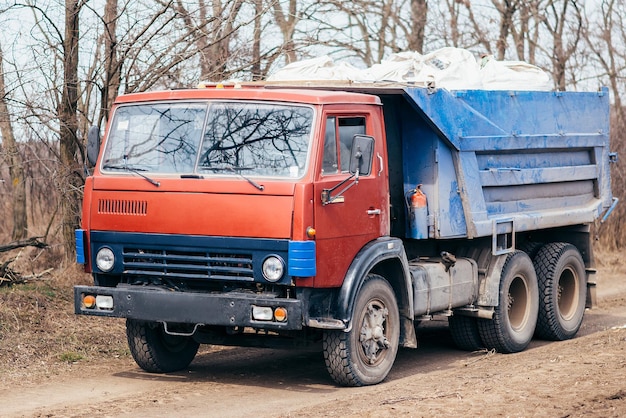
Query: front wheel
column 155, row 351
column 515, row 317
column 365, row 354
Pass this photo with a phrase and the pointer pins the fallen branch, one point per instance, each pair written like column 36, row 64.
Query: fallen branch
column 9, row 277
column 30, row 242
column 7, row 274
column 36, row 276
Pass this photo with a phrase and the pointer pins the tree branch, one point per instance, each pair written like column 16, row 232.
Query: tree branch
column 30, row 242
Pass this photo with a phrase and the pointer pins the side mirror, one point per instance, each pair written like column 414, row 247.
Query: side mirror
column 361, row 155
column 93, row 145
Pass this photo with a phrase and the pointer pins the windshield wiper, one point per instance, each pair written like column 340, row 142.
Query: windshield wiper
column 132, row 170
column 249, row 180
column 236, row 170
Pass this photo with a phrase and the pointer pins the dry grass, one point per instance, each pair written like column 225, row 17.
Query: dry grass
column 40, row 334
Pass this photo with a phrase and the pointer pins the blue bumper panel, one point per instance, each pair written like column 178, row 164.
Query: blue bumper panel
column 302, row 258
column 80, row 245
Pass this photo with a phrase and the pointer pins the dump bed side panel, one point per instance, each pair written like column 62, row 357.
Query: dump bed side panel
column 514, row 160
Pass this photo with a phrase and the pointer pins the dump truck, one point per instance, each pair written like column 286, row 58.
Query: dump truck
column 343, row 216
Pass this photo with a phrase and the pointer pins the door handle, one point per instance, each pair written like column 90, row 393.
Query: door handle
column 372, row 212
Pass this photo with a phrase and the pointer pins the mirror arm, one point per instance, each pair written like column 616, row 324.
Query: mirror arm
column 326, row 193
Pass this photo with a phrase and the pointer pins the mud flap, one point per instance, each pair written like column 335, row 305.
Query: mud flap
column 592, row 298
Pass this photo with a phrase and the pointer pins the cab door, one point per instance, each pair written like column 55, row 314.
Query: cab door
column 361, row 212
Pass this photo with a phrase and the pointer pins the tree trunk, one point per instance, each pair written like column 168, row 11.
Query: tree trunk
column 506, row 9
column 112, row 64
column 16, row 169
column 419, row 18
column 71, row 180
column 256, row 43
column 287, row 22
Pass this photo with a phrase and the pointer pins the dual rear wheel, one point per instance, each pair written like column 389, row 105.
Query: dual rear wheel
column 562, row 291
column 544, row 297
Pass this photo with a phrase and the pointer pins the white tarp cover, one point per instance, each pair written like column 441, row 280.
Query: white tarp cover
column 449, row 68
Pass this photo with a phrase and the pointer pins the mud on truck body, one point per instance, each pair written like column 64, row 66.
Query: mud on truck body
column 343, row 215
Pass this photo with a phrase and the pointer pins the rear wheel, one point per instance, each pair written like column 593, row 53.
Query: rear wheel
column 531, row 248
column 156, row 351
column 515, row 317
column 465, row 334
column 365, row 354
column 563, row 291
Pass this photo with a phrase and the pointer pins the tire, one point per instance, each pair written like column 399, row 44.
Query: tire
column 562, row 289
column 515, row 317
column 157, row 352
column 365, row 354
column 531, row 248
column 465, row 334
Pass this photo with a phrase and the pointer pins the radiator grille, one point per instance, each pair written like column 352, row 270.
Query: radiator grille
column 122, row 207
column 188, row 264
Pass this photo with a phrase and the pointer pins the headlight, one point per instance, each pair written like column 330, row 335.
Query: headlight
column 105, row 259
column 273, row 268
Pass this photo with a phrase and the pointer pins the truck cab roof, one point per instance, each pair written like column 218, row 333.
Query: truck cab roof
column 259, row 92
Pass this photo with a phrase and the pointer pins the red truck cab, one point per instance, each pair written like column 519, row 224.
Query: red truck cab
column 208, row 212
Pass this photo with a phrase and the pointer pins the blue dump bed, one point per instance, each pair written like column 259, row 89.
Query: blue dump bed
column 499, row 162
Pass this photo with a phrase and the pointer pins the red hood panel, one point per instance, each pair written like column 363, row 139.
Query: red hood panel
column 214, row 214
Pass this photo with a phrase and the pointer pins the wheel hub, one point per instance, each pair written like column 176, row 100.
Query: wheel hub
column 372, row 337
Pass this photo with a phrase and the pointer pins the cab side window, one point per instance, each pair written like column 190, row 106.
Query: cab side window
column 338, row 142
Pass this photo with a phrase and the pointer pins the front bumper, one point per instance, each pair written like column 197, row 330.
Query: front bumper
column 158, row 305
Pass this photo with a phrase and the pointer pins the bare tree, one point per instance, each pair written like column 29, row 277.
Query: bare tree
column 366, row 29
column 255, row 68
column 520, row 22
column 608, row 51
column 419, row 18
column 564, row 22
column 16, row 170
column 212, row 31
column 507, row 10
column 70, row 145
column 526, row 33
column 112, row 63
column 605, row 36
column 146, row 44
column 463, row 28
column 287, row 22
column 454, row 13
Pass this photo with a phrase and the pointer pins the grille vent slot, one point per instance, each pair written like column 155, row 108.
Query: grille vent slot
column 122, row 207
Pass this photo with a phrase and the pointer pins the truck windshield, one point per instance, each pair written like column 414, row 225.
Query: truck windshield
column 252, row 139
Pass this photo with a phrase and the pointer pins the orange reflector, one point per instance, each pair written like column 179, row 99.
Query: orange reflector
column 310, row 232
column 89, row 301
column 280, row 314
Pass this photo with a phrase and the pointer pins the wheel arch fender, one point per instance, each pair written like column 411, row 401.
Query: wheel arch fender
column 386, row 257
column 489, row 288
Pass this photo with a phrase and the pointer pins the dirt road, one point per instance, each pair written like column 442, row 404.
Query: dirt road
column 581, row 377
